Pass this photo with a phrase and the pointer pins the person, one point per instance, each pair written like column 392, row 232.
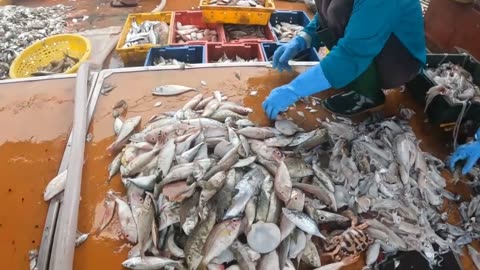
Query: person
column 124, row 3
column 469, row 152
column 373, row 44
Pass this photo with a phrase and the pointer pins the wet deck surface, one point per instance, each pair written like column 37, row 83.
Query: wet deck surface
column 35, row 120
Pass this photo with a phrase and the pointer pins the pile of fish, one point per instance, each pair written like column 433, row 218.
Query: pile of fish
column 239, row 3
column 452, row 81
column 21, row 26
column 57, row 66
column 206, row 187
column 241, row 31
column 287, row 31
column 148, row 32
column 237, row 59
column 160, row 61
column 186, row 33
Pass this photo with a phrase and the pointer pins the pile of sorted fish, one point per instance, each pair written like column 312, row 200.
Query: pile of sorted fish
column 57, row 66
column 241, row 31
column 148, row 32
column 286, row 31
column 21, row 26
column 206, row 187
column 160, row 61
column 239, row 3
column 454, row 82
column 237, row 59
column 191, row 33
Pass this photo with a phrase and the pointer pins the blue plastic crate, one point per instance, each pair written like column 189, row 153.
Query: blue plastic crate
column 308, row 55
column 293, row 17
column 193, row 54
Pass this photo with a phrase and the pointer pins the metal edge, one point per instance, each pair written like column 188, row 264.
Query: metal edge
column 55, row 203
column 197, row 66
column 41, row 78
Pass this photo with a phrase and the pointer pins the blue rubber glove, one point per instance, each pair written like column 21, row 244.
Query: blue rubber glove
column 307, row 83
column 470, row 152
column 286, row 52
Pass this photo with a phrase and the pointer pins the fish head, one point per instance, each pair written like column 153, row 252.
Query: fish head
column 278, row 155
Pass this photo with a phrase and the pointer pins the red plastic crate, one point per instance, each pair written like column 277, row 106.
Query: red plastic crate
column 269, row 34
column 247, row 51
column 194, row 18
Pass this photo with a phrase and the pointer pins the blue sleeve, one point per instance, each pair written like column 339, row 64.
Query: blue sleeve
column 311, row 29
column 367, row 31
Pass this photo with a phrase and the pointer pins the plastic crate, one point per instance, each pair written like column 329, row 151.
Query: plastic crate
column 138, row 53
column 267, row 29
column 194, row 18
column 308, row 55
column 293, row 17
column 237, row 15
column 442, row 109
column 194, row 54
column 247, row 51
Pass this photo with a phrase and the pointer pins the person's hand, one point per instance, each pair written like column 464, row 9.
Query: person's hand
column 279, row 100
column 307, row 83
column 470, row 152
column 286, row 52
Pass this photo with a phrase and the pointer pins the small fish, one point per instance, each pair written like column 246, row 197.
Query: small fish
column 302, row 221
column 149, row 262
column 475, row 255
column 220, row 238
column 55, row 186
column 80, row 238
column 158, row 104
column 171, row 90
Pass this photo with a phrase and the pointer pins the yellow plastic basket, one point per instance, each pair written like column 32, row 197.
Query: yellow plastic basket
column 237, row 15
column 43, row 52
column 138, row 53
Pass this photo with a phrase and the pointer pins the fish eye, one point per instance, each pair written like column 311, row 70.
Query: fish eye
column 322, row 218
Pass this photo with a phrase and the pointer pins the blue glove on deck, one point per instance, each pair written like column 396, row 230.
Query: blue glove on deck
column 307, row 83
column 470, row 152
column 286, row 52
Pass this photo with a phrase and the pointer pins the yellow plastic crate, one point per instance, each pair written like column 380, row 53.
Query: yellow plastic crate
column 237, row 15
column 138, row 53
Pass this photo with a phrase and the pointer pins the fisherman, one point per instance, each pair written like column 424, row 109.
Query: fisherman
column 469, row 152
column 374, row 45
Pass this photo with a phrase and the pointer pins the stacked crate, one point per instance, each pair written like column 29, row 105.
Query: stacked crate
column 193, row 48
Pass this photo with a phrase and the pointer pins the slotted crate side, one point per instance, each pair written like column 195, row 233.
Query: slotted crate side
column 308, row 55
column 194, row 18
column 247, row 51
column 193, row 54
column 236, row 14
column 138, row 53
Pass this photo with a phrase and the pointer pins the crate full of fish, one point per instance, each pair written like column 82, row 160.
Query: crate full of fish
column 449, row 87
column 189, row 28
column 248, row 33
column 287, row 24
column 237, row 11
column 176, row 55
column 308, row 55
column 141, row 32
column 231, row 53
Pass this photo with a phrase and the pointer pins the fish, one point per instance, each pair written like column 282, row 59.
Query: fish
column 310, row 255
column 195, row 243
column 55, row 186
column 144, row 222
column 302, row 221
column 220, row 238
column 282, row 182
column 296, row 202
column 127, row 129
column 338, row 265
column 474, row 255
column 269, row 261
column 127, row 222
column 80, row 238
column 247, row 187
column 171, row 90
column 148, row 262
column 109, row 210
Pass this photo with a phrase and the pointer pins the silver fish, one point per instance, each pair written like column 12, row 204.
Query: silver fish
column 171, row 90
column 302, row 221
